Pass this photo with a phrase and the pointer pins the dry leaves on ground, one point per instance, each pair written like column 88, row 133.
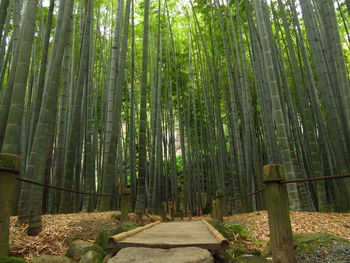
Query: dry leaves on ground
column 59, row 230
column 302, row 222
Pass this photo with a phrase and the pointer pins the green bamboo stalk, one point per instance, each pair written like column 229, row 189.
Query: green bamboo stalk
column 277, row 107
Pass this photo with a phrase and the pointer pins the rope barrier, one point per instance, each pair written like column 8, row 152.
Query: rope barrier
column 60, row 188
column 339, row 176
column 245, row 196
column 140, row 201
column 8, row 170
column 308, row 179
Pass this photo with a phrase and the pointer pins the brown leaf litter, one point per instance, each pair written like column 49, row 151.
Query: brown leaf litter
column 257, row 224
column 57, row 232
column 60, row 230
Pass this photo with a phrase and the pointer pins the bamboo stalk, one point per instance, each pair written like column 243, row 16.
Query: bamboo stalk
column 114, row 239
column 224, row 242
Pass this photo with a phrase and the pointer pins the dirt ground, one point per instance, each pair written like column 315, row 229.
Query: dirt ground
column 60, row 230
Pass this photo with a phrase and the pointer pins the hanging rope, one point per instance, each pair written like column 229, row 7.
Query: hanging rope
column 339, row 176
column 308, row 179
column 60, row 188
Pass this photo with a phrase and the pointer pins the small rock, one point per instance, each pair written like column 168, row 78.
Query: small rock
column 11, row 260
column 52, row 259
column 103, row 237
column 108, row 257
column 79, row 247
column 234, row 250
column 158, row 255
column 91, row 257
column 250, row 259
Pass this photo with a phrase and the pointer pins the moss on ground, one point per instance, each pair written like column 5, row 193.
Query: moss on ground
column 103, row 237
column 304, row 243
column 11, row 260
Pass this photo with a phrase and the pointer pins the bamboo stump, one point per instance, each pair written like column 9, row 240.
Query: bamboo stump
column 125, row 203
column 9, row 167
column 277, row 204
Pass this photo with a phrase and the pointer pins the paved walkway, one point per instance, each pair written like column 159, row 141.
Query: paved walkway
column 174, row 234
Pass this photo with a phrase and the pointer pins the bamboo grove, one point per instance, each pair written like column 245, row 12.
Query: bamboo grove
column 179, row 101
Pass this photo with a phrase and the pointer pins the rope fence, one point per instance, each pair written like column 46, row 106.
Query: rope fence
column 60, row 188
column 308, row 179
column 339, row 176
column 245, row 196
column 324, row 178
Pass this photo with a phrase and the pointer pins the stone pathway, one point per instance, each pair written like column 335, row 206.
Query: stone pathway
column 172, row 235
column 158, row 255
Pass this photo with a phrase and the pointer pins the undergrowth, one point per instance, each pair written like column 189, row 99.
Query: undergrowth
column 239, row 238
column 234, row 232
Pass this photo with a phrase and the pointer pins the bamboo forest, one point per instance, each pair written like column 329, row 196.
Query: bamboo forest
column 181, row 103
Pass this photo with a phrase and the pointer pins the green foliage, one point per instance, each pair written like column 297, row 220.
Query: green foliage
column 11, row 260
column 103, row 237
column 234, row 232
column 80, row 247
column 179, row 164
column 117, row 217
column 307, row 242
column 222, row 228
column 242, row 233
column 91, row 257
column 316, row 237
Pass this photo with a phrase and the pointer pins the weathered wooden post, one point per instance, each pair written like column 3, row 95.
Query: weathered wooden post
column 9, row 168
column 213, row 210
column 172, row 212
column 190, row 215
column 125, row 203
column 217, row 207
column 277, row 204
column 163, row 212
column 119, row 196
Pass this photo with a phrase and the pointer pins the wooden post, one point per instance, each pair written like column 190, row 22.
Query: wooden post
column 190, row 215
column 126, row 195
column 217, row 207
column 213, row 210
column 119, row 198
column 9, row 167
column 172, row 212
column 277, row 204
column 163, row 212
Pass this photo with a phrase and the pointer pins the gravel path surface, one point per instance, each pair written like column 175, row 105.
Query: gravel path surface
column 335, row 252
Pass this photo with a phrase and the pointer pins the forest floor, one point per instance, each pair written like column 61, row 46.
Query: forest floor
column 60, row 230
